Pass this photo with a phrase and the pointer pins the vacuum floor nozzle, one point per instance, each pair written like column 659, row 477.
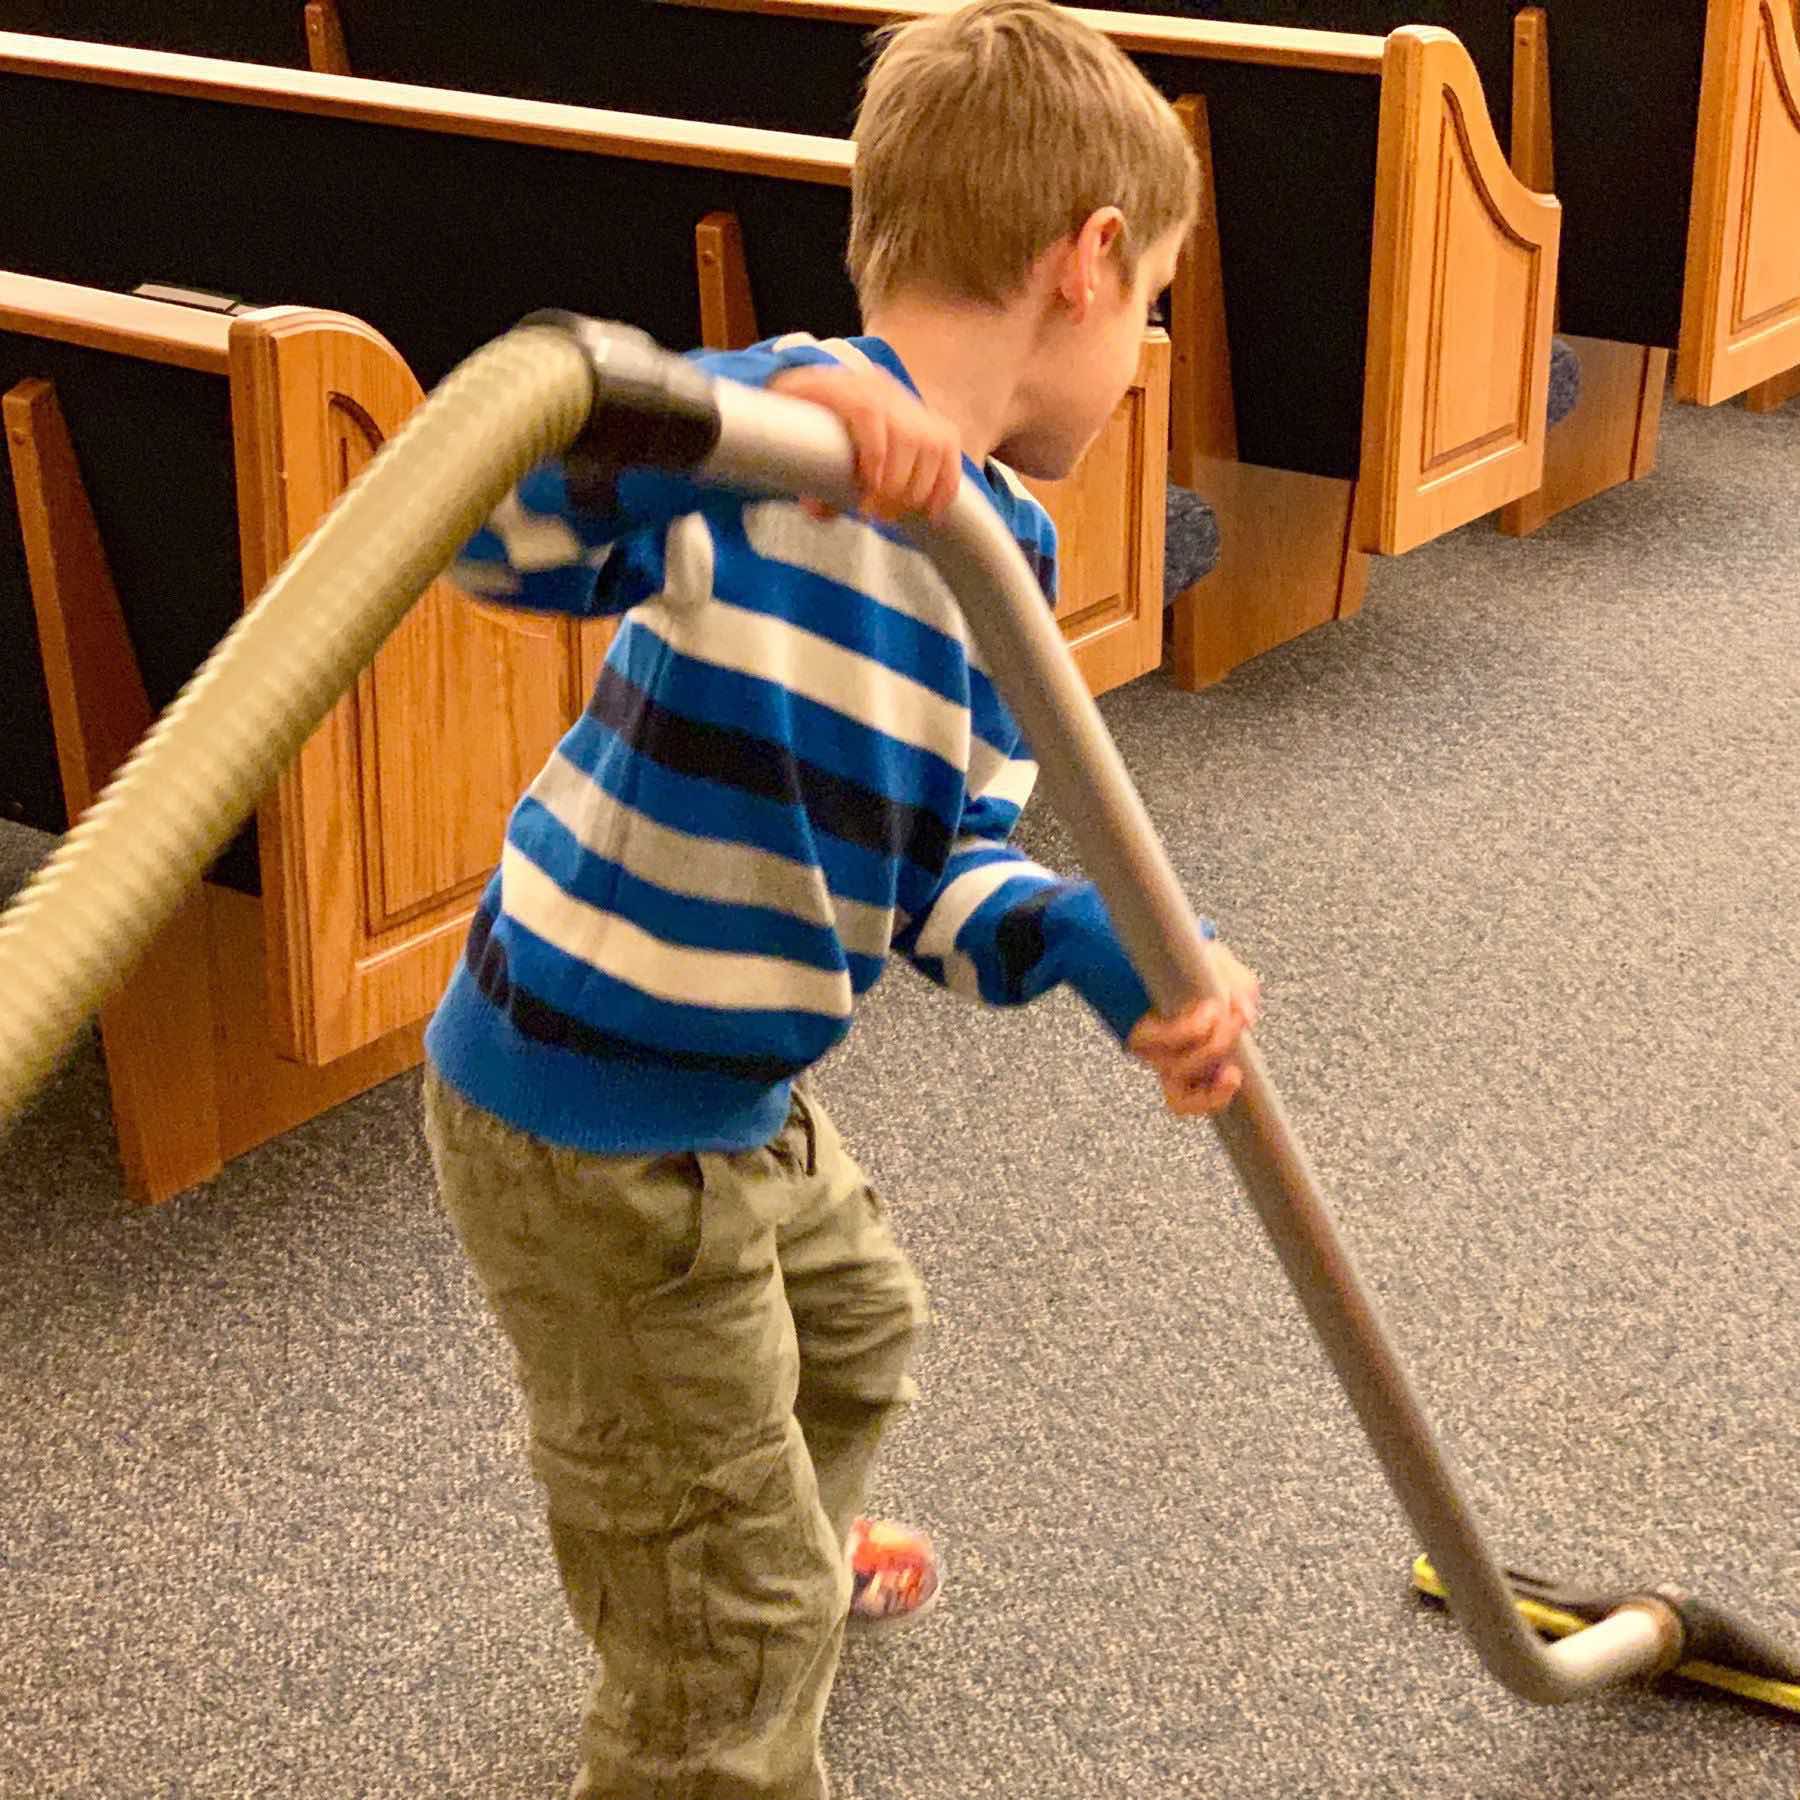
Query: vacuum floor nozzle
column 1720, row 1650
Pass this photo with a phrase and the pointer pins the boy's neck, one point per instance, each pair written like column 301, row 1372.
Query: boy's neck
column 968, row 361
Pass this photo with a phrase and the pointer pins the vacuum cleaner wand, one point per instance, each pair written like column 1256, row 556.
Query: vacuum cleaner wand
column 610, row 398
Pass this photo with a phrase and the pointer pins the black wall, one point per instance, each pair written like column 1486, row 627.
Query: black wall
column 154, row 447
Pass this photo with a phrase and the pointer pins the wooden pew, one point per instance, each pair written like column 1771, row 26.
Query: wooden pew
column 1418, row 407
column 123, row 165
column 372, row 182
column 1677, row 138
column 162, row 460
column 1109, row 599
column 1381, row 279
column 364, row 193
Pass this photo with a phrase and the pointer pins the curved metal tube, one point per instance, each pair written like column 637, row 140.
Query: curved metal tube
column 779, row 445
column 75, row 931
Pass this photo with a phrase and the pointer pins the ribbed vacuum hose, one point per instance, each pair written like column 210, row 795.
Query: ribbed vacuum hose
column 80, row 924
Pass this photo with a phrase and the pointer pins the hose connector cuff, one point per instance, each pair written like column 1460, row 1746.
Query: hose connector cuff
column 649, row 408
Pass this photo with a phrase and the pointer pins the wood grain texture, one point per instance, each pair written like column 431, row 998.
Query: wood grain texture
column 1111, row 515
column 380, row 838
column 152, row 330
column 1533, row 154
column 1145, row 33
column 727, row 313
column 1740, row 316
column 325, row 50
column 1609, row 438
column 1286, row 565
column 1202, row 408
column 634, row 136
column 157, row 1029
column 1462, row 297
column 1772, row 395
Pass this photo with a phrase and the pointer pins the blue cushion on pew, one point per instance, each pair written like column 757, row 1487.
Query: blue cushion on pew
column 1565, row 380
column 1192, row 541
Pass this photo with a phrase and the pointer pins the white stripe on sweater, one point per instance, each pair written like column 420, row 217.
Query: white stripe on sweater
column 993, row 776
column 707, row 868
column 724, row 980
column 533, row 541
column 772, row 649
column 961, row 898
column 849, row 552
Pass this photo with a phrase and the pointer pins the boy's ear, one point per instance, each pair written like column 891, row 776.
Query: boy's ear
column 1089, row 257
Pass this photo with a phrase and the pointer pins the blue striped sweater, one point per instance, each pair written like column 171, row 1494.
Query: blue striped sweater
column 792, row 764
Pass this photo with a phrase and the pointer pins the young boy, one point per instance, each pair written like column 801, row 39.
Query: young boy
column 792, row 765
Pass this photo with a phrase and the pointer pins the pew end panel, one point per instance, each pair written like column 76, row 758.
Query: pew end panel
column 1110, row 519
column 1740, row 315
column 1462, row 301
column 193, row 1074
column 378, row 842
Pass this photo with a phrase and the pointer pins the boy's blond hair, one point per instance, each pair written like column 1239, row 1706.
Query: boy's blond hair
column 990, row 133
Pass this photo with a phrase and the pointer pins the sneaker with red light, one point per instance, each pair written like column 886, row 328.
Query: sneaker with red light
column 894, row 1573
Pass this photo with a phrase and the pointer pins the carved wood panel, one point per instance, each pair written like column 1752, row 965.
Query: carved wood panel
column 1740, row 316
column 1462, row 298
column 379, row 840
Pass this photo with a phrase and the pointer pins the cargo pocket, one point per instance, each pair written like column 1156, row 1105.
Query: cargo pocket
column 774, row 1592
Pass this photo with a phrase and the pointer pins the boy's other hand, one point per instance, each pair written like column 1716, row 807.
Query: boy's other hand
column 1192, row 1052
column 908, row 458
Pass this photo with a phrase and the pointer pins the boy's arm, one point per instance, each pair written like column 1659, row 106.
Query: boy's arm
column 1001, row 929
column 541, row 551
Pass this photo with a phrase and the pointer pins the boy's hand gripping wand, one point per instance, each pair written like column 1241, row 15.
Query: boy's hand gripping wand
column 611, row 399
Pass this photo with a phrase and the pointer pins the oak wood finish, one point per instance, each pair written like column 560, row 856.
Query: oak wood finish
column 639, row 137
column 1461, row 307
column 157, row 1031
column 150, row 329
column 1150, row 34
column 1611, row 435
column 382, row 835
column 325, row 51
column 727, row 311
column 1772, row 395
column 1740, row 319
column 1287, row 563
column 1286, row 559
column 1203, row 415
column 192, row 1078
column 1610, row 438
column 1111, row 516
column 1462, row 273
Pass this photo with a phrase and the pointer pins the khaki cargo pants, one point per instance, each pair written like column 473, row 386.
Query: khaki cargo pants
column 710, row 1345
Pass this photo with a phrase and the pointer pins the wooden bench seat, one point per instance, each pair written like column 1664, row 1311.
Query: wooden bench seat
column 1676, row 133
column 162, row 460
column 443, row 217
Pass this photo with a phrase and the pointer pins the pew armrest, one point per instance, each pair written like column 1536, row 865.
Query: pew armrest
column 1740, row 311
column 1461, row 304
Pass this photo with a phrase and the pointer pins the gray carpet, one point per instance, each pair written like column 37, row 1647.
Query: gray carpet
column 1516, row 851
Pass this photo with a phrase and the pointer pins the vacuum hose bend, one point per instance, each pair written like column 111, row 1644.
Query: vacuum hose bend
column 80, row 924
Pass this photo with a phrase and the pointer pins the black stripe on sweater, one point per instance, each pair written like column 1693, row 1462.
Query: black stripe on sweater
column 546, row 1024
column 771, row 771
